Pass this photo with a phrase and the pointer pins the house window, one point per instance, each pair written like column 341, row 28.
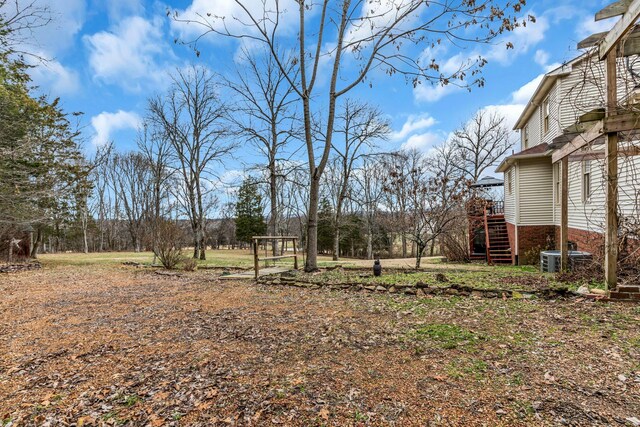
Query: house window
column 511, row 181
column 586, row 180
column 545, row 115
column 525, row 136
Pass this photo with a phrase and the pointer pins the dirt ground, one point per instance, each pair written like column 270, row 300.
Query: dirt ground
column 111, row 345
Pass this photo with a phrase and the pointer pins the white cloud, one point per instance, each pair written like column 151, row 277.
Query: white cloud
column 56, row 78
column 118, row 9
column 541, row 57
column 412, row 124
column 134, row 54
column 431, row 93
column 523, row 39
column 524, row 93
column 423, row 141
column 67, row 19
column 588, row 26
column 106, row 123
column 234, row 17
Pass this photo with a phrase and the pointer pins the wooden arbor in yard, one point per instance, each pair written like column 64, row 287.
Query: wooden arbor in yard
column 283, row 240
column 621, row 40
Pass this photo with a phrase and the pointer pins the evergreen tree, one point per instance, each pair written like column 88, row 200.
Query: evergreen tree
column 326, row 232
column 42, row 170
column 249, row 219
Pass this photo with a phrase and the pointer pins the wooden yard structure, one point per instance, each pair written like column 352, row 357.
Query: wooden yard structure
column 622, row 40
column 283, row 240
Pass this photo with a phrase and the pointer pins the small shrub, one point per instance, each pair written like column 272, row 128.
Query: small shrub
column 169, row 245
column 189, row 264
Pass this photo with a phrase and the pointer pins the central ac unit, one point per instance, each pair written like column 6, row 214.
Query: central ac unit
column 550, row 260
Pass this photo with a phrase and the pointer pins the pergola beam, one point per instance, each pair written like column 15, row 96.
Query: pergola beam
column 579, row 142
column 629, row 47
column 615, row 9
column 621, row 28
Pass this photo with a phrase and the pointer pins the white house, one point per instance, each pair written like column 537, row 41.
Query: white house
column 565, row 102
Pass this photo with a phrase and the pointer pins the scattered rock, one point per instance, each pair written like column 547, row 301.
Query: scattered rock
column 440, row 277
column 634, row 421
column 583, row 290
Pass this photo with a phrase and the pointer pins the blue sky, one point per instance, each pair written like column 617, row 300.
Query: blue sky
column 109, row 56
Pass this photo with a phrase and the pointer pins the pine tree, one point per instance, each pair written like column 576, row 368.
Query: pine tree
column 249, row 219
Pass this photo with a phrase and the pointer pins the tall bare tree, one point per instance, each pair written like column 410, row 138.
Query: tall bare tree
column 267, row 117
column 386, row 35
column 191, row 118
column 359, row 126
column 480, row 144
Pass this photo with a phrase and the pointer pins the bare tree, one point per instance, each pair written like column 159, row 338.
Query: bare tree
column 190, row 117
column 156, row 150
column 359, row 125
column 372, row 35
column 480, row 144
column 368, row 195
column 131, row 177
column 267, row 117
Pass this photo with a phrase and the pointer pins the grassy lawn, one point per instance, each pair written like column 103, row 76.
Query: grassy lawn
column 215, row 258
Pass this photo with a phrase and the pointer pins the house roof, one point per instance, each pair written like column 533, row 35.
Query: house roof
column 488, row 181
column 541, row 150
column 544, row 87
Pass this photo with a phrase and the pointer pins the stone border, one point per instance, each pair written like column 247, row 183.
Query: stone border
column 421, row 289
column 18, row 267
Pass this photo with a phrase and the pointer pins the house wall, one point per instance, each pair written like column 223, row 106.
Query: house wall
column 510, row 196
column 535, row 192
column 589, row 215
column 580, row 92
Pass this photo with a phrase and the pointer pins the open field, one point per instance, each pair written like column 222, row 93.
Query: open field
column 116, row 345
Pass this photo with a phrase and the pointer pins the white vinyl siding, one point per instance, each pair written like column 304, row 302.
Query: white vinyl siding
column 510, row 196
column 580, row 92
column 535, row 131
column 535, row 192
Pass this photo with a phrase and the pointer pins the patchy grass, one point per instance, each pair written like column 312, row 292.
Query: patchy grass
column 445, row 335
column 123, row 346
column 233, row 258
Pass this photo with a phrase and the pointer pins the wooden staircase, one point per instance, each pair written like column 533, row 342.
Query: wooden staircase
column 497, row 238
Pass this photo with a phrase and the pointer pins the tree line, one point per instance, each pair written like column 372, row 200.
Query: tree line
column 320, row 163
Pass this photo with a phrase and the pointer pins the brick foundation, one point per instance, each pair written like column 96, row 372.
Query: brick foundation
column 586, row 241
column 533, row 238
column 511, row 231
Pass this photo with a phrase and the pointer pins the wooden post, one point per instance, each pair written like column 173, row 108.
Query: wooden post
column 256, row 263
column 564, row 215
column 611, row 175
column 295, row 253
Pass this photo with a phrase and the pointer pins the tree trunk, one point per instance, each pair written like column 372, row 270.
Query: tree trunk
column 336, row 241
column 273, row 196
column 312, row 226
column 36, row 244
column 369, row 241
column 203, row 248
column 404, row 246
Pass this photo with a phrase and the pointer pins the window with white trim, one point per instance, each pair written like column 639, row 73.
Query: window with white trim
column 545, row 114
column 586, row 180
column 525, row 136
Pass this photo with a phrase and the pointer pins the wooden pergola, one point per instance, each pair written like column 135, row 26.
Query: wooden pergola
column 622, row 40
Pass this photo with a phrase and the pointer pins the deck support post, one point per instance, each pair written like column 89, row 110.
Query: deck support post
column 611, row 178
column 564, row 214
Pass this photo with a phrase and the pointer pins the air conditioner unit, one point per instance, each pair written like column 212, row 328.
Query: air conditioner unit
column 550, row 260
